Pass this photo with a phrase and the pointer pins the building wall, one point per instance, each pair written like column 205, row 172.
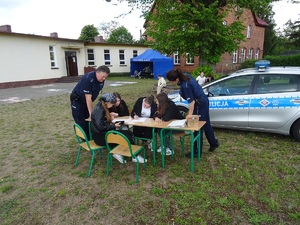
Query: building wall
column 25, row 59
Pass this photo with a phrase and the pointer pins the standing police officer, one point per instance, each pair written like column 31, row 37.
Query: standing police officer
column 84, row 93
column 191, row 91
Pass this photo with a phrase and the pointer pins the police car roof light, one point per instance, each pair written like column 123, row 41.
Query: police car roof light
column 262, row 65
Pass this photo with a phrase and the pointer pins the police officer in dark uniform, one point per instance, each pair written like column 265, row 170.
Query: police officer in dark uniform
column 84, row 93
column 191, row 91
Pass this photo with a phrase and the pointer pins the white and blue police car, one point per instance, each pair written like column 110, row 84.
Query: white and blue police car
column 264, row 98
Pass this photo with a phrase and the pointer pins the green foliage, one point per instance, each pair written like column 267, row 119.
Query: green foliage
column 120, row 35
column 291, row 60
column 196, row 27
column 207, row 69
column 88, row 33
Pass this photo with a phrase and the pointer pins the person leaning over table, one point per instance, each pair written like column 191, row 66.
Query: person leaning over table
column 101, row 123
column 166, row 110
column 84, row 93
column 143, row 107
column 120, row 108
column 191, row 91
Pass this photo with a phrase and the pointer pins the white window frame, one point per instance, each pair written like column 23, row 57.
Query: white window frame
column 235, row 56
column 257, row 53
column 90, row 57
column 107, row 57
column 250, row 53
column 243, row 55
column 249, row 31
column 176, row 58
column 52, row 52
column 189, row 60
column 135, row 53
column 122, row 59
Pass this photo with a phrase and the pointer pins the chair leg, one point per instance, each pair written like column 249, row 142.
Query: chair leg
column 137, row 172
column 91, row 164
column 109, row 159
column 78, row 156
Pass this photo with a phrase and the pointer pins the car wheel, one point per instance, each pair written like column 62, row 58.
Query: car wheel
column 183, row 111
column 296, row 130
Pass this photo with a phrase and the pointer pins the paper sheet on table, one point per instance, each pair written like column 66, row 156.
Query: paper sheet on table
column 177, row 123
column 140, row 119
column 120, row 119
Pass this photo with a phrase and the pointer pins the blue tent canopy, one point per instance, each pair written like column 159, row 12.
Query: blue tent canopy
column 158, row 63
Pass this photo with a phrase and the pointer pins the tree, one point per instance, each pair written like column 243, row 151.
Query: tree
column 88, row 33
column 292, row 32
column 196, row 26
column 106, row 28
column 120, row 35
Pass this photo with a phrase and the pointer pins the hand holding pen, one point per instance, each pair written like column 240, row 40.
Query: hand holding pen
column 135, row 116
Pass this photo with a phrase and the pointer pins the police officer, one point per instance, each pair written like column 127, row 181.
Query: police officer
column 191, row 91
column 84, row 93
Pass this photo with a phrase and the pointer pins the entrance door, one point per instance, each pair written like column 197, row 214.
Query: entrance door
column 71, row 63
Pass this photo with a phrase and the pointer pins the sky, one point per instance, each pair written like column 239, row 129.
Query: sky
column 68, row 17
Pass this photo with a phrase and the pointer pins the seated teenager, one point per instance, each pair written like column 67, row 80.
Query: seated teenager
column 166, row 110
column 144, row 107
column 101, row 123
column 120, row 108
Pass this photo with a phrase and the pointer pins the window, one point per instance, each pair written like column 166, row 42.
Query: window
column 249, row 31
column 234, row 86
column 257, row 53
column 276, row 84
column 189, row 58
column 135, row 53
column 243, row 55
column 91, row 57
column 106, row 57
column 122, row 57
column 250, row 53
column 176, row 58
column 52, row 57
column 235, row 57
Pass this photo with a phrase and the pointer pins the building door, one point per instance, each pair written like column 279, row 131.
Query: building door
column 71, row 63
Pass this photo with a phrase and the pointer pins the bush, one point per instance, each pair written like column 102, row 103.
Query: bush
column 204, row 68
column 290, row 60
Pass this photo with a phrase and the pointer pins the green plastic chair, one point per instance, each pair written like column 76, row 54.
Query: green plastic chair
column 89, row 145
column 123, row 148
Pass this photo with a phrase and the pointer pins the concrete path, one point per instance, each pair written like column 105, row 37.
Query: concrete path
column 20, row 94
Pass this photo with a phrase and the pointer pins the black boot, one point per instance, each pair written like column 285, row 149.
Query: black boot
column 213, row 147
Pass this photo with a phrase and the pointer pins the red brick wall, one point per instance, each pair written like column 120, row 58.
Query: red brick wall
column 27, row 83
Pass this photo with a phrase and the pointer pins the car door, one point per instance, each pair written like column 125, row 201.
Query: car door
column 229, row 101
column 275, row 102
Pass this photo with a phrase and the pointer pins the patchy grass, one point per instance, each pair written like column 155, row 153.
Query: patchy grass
column 252, row 178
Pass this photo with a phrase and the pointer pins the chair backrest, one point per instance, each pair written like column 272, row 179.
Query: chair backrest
column 80, row 134
column 115, row 137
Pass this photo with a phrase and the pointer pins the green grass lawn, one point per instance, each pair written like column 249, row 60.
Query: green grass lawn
column 252, row 178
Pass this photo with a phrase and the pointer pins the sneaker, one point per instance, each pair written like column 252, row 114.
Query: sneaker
column 213, row 147
column 119, row 158
column 159, row 149
column 140, row 158
column 168, row 151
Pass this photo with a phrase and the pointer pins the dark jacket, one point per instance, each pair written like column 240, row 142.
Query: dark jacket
column 172, row 112
column 122, row 109
column 99, row 121
column 137, row 108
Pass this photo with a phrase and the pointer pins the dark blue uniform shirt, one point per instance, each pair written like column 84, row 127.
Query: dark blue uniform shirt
column 191, row 90
column 88, row 85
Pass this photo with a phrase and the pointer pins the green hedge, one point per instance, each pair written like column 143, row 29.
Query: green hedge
column 119, row 74
column 291, row 60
